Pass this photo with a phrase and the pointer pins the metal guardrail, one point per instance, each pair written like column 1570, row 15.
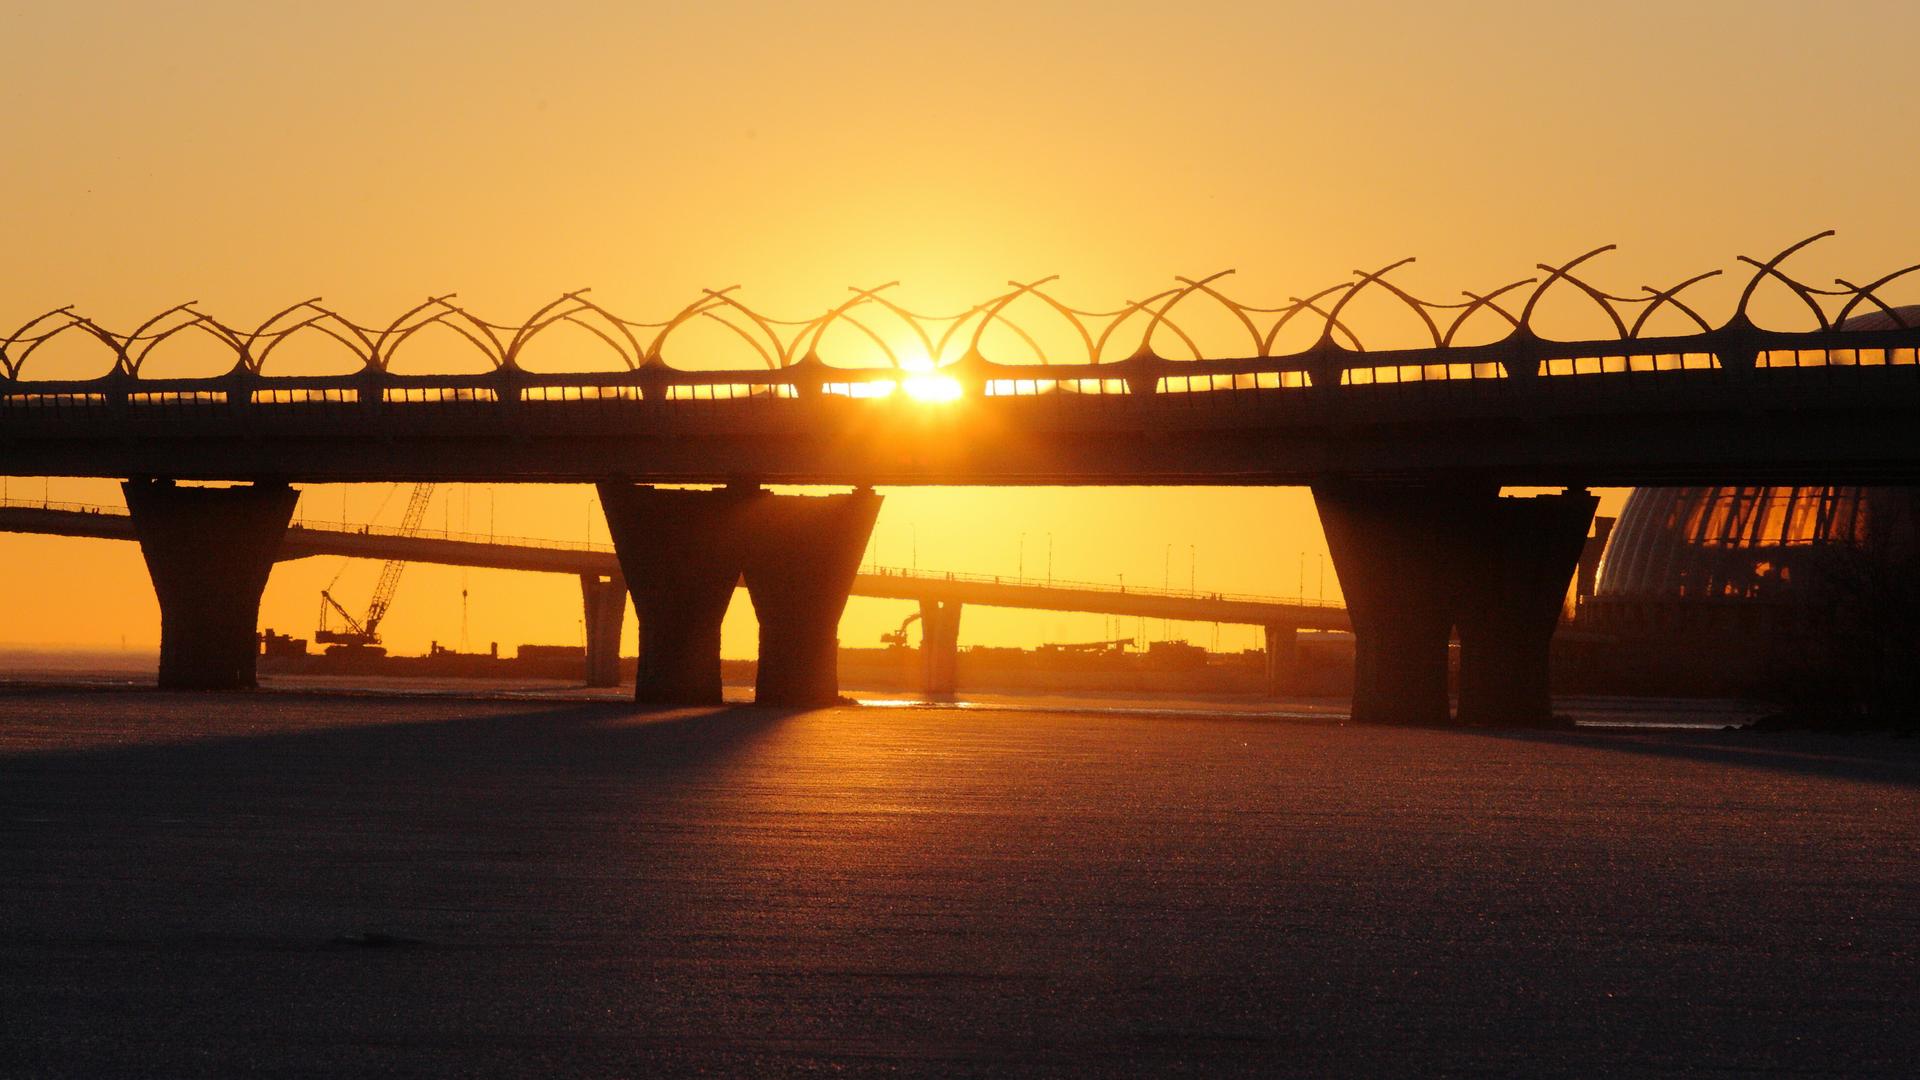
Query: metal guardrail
column 11, row 503
column 314, row 525
column 1097, row 587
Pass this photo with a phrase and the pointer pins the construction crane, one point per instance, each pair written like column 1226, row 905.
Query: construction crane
column 364, row 633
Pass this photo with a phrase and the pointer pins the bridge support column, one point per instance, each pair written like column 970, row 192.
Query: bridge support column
column 1524, row 554
column 681, row 555
column 1397, row 551
column 939, row 647
column 1416, row 562
column 605, row 602
column 803, row 553
column 1282, row 653
column 209, row 551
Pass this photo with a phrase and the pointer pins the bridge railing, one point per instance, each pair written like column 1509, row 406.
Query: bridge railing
column 1023, row 581
column 1746, row 360
column 1492, row 341
column 384, row 531
column 11, row 503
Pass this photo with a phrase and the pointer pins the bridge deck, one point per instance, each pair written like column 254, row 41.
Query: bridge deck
column 1826, row 415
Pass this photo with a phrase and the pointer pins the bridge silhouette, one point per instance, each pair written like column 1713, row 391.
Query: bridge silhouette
column 1406, row 449
column 939, row 594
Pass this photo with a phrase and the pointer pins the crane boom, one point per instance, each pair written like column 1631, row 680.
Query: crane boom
column 389, row 582
column 365, row 633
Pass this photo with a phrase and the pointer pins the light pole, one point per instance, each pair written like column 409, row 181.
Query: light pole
column 1020, row 565
column 1049, row 560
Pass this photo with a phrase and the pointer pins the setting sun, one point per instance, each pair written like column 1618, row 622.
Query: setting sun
column 927, row 386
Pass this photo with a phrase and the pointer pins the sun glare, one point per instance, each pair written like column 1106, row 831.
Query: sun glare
column 927, row 386
column 923, row 382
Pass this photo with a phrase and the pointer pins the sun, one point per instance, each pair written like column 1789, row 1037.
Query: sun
column 923, row 382
column 930, row 387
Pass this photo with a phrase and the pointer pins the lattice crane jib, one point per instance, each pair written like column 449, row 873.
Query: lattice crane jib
column 366, row 632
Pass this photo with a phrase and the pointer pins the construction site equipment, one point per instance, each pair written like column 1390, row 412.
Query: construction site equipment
column 898, row 639
column 364, row 633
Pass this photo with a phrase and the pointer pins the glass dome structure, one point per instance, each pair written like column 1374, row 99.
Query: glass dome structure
column 1753, row 543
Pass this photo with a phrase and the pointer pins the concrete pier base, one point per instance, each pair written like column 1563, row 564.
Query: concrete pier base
column 209, row 551
column 681, row 556
column 1396, row 551
column 683, row 553
column 1417, row 562
column 939, row 647
column 604, row 600
column 1524, row 555
column 803, row 553
column 1282, row 644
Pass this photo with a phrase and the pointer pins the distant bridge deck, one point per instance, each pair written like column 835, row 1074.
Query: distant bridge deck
column 305, row 539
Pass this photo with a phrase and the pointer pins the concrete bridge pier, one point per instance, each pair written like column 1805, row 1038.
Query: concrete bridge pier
column 209, row 551
column 1282, row 653
column 605, row 603
column 939, row 647
column 680, row 553
column 1417, row 562
column 683, row 552
column 1524, row 555
column 1396, row 550
column 802, row 555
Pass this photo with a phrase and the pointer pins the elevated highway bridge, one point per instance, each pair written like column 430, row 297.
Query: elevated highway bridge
column 1405, row 448
column 940, row 595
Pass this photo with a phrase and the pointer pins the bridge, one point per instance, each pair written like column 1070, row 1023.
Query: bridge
column 1406, row 448
column 941, row 596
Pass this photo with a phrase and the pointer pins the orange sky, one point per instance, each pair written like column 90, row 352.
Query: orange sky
column 250, row 155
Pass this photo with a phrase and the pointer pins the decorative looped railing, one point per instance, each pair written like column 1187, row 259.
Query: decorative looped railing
column 1124, row 342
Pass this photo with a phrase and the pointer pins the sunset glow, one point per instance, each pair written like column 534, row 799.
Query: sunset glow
column 1056, row 158
column 930, row 387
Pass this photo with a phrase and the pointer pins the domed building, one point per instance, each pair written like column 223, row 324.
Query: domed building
column 1712, row 589
column 1716, row 588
